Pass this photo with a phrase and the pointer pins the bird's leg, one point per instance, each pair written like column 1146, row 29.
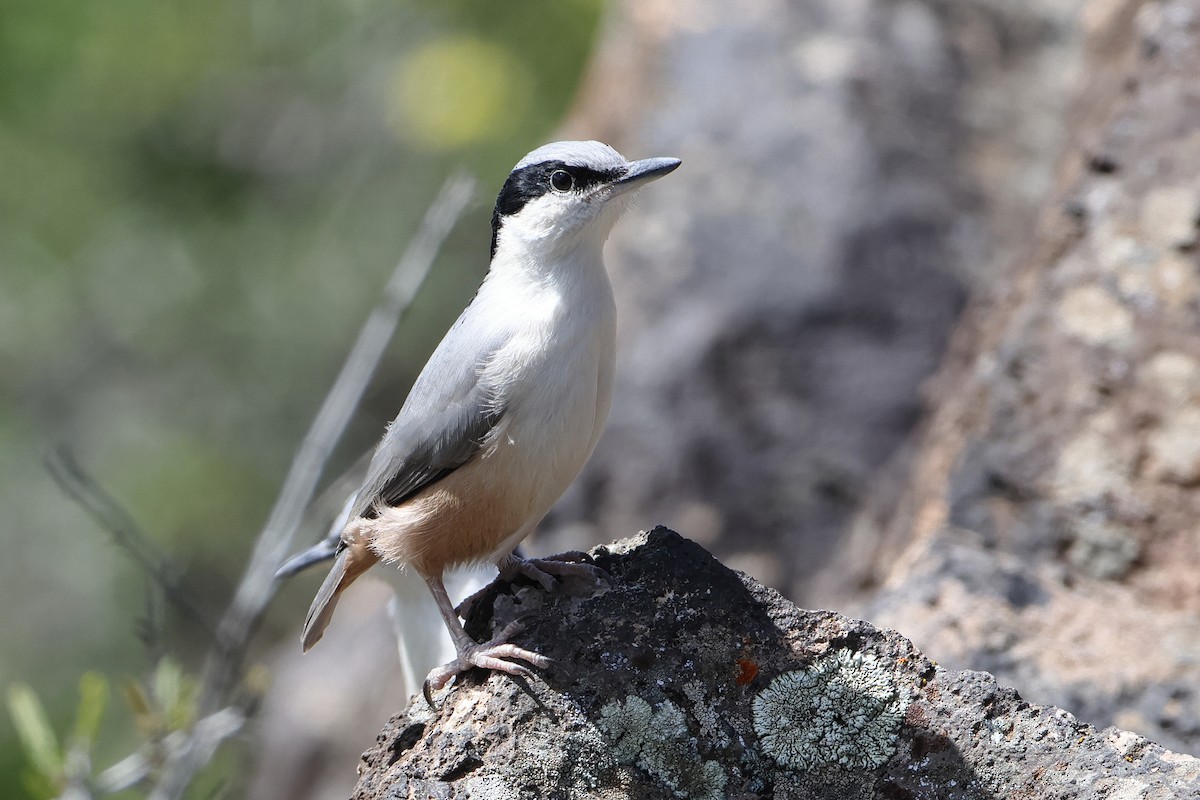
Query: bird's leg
column 489, row 655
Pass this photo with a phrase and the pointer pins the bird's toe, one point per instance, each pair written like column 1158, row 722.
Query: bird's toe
column 498, row 655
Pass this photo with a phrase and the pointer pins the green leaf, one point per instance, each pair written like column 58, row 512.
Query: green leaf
column 33, row 729
column 168, row 679
column 136, row 698
column 175, row 695
column 144, row 715
column 181, row 715
column 93, row 699
column 37, row 785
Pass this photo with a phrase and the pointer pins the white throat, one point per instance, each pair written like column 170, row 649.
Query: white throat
column 556, row 238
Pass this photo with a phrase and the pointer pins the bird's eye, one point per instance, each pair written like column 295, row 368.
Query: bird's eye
column 561, row 180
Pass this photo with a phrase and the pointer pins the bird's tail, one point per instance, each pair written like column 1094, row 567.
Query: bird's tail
column 323, row 550
column 353, row 560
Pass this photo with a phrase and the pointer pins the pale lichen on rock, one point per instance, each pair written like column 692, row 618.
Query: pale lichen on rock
column 627, row 725
column 844, row 710
column 1169, row 215
column 1091, row 314
column 1174, row 448
column 1095, row 463
column 1102, row 548
column 658, row 741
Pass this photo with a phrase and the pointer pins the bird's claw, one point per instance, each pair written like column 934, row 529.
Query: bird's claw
column 498, row 655
column 573, row 567
column 543, row 570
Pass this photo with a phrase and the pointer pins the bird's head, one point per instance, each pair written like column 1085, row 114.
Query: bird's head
column 566, row 195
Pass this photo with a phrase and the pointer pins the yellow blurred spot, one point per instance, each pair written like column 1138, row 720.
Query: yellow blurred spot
column 258, row 679
column 457, row 91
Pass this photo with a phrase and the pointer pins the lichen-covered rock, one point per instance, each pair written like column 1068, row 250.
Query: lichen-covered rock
column 683, row 678
column 1047, row 532
column 845, row 709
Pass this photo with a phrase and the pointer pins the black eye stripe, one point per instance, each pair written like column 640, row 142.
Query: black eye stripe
column 530, row 183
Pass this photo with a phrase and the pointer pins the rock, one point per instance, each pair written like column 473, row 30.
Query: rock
column 1095, row 316
column 1048, row 531
column 1175, row 281
column 685, row 679
column 1091, row 466
column 1174, row 448
column 1102, row 549
column 1175, row 376
column 1170, row 215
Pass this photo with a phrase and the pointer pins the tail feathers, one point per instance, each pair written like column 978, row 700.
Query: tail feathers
column 351, row 562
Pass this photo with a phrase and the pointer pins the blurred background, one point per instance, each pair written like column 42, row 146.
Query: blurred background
column 199, row 205
column 860, row 359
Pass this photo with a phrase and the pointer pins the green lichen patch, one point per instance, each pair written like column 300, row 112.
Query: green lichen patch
column 627, row 725
column 657, row 740
column 845, row 710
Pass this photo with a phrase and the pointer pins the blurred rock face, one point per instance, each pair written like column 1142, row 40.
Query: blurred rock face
column 851, row 170
column 1048, row 531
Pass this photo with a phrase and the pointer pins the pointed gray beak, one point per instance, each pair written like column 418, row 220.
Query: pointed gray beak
column 639, row 173
column 648, row 169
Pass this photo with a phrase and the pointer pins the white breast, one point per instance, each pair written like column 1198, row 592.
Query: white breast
column 557, row 379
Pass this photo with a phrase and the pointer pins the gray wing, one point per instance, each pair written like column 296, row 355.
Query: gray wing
column 443, row 424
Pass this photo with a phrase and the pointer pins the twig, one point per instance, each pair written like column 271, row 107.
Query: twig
column 125, row 532
column 152, row 628
column 195, row 748
column 257, row 585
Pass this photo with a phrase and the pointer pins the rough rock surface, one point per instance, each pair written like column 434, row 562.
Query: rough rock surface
column 684, row 678
column 1049, row 530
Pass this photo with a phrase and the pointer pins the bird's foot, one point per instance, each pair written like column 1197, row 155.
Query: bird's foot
column 498, row 655
column 541, row 571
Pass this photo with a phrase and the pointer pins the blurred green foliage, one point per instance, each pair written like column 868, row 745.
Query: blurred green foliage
column 48, row 760
column 38, row 740
column 198, row 203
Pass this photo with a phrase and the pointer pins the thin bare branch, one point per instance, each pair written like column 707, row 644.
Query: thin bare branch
column 111, row 516
column 125, row 774
column 188, row 753
column 257, row 586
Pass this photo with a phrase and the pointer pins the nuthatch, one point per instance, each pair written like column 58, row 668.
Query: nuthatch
column 510, row 405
